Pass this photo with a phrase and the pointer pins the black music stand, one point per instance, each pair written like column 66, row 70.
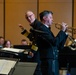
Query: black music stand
column 22, row 46
column 25, row 68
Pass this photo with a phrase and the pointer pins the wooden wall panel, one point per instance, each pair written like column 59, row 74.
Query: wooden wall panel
column 1, row 17
column 62, row 11
column 74, row 17
column 15, row 14
column 15, row 11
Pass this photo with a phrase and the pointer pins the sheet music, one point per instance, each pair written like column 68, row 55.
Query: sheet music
column 13, row 50
column 6, row 66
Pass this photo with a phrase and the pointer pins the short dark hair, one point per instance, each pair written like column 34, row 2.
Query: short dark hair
column 23, row 40
column 44, row 13
column 1, row 37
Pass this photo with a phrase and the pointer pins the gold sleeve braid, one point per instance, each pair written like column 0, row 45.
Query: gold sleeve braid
column 26, row 33
column 34, row 47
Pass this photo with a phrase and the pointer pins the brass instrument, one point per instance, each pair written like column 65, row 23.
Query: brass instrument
column 73, row 45
column 71, row 30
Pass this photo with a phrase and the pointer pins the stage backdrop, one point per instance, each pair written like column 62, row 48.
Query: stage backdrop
column 1, row 17
column 62, row 11
column 13, row 13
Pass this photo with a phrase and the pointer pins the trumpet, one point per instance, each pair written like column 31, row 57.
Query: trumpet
column 69, row 29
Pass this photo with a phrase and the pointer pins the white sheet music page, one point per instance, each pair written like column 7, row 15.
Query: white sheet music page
column 13, row 50
column 6, row 66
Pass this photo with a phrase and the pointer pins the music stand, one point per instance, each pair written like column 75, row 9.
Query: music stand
column 7, row 65
column 22, row 46
column 25, row 68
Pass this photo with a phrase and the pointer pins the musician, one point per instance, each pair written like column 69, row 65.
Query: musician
column 7, row 44
column 48, row 44
column 1, row 41
column 24, row 42
column 1, row 44
column 34, row 23
column 44, row 46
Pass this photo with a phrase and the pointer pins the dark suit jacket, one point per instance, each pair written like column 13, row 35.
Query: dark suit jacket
column 35, row 25
column 48, row 44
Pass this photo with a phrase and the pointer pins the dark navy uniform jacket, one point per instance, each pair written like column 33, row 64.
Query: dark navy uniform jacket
column 48, row 44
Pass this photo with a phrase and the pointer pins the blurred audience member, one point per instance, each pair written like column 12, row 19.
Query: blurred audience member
column 24, row 42
column 7, row 44
column 1, row 41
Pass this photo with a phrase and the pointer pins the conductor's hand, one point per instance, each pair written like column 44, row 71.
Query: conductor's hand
column 64, row 26
column 20, row 25
column 31, row 54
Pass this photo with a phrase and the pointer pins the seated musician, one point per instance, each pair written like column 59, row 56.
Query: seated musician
column 1, row 41
column 24, row 42
column 7, row 44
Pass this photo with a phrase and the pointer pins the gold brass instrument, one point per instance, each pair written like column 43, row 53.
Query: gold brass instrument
column 71, row 30
column 73, row 44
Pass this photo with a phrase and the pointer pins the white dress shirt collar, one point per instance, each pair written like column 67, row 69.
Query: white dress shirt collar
column 46, row 25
